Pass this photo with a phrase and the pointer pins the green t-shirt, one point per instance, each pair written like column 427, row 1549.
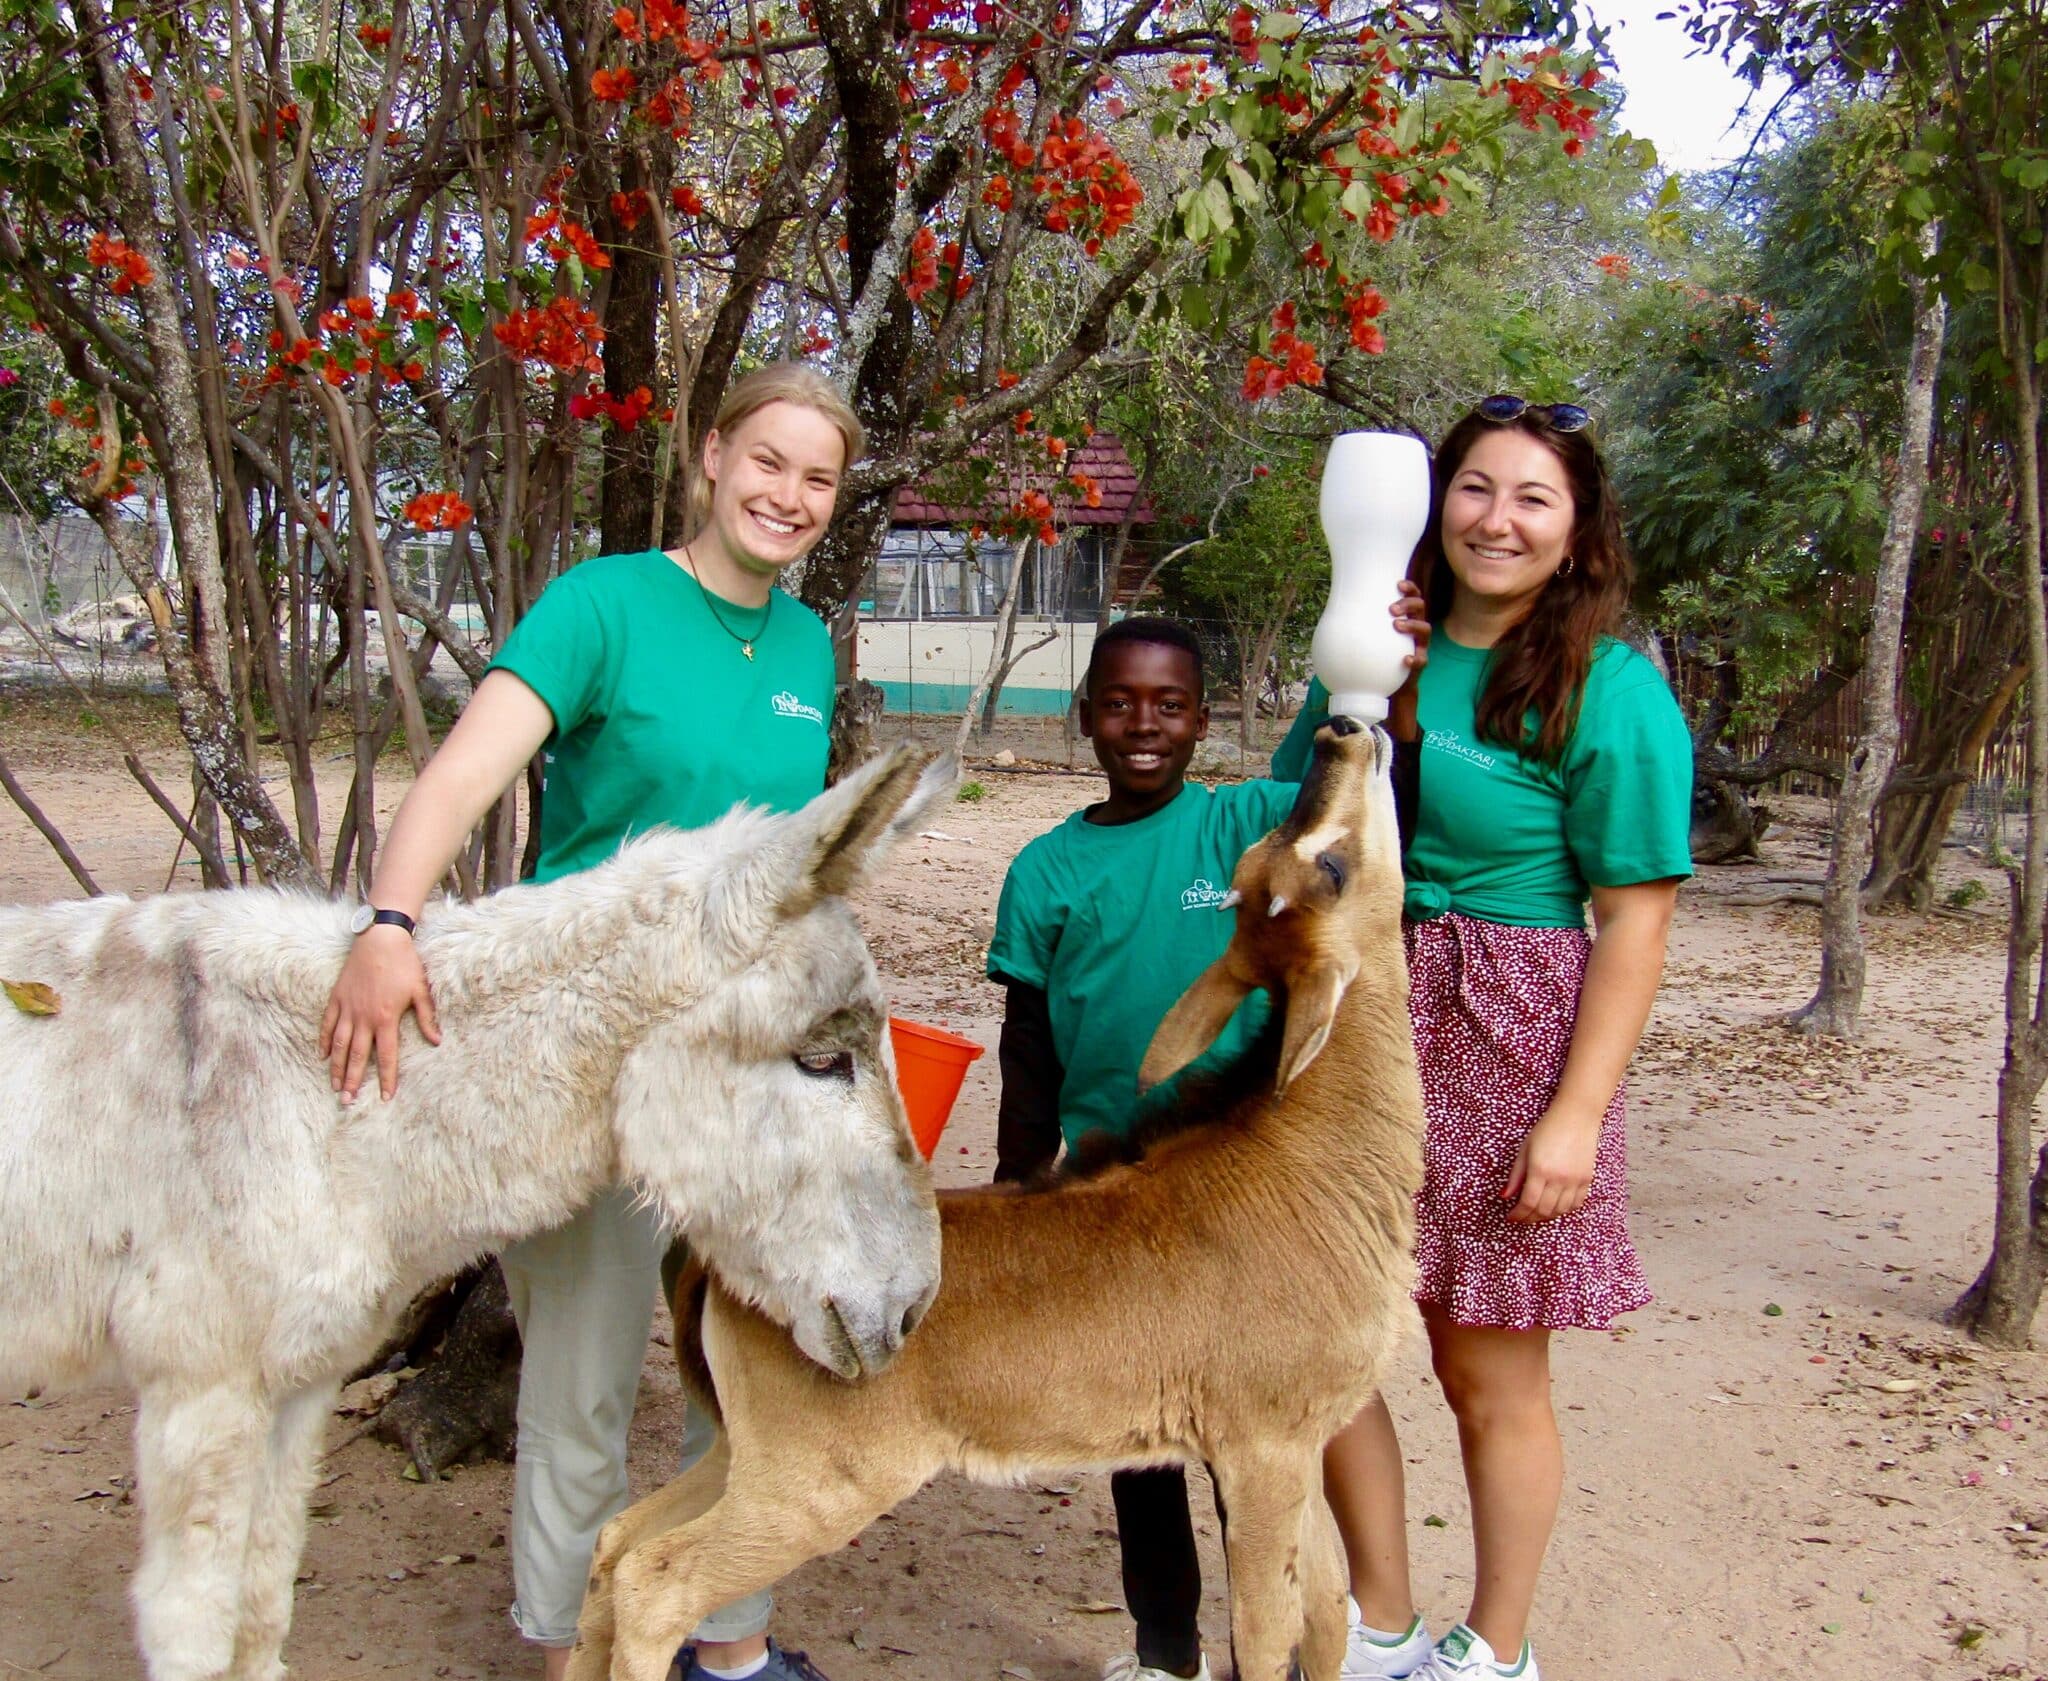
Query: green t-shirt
column 660, row 719
column 1509, row 839
column 1114, row 922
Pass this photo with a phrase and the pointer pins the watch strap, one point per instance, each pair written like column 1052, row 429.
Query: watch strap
column 393, row 919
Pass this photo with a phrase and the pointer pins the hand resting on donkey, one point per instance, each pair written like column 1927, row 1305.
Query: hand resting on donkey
column 187, row 1208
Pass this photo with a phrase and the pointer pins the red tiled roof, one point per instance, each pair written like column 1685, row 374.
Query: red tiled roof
column 1102, row 458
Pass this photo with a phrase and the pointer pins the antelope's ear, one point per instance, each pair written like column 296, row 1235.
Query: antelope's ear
column 1311, row 1008
column 855, row 823
column 1191, row 1026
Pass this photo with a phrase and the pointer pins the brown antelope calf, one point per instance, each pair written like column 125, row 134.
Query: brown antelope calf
column 1228, row 1297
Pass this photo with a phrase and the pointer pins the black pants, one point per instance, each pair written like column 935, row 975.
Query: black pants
column 1162, row 1573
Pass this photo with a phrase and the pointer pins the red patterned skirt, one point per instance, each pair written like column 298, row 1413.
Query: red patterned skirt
column 1493, row 1008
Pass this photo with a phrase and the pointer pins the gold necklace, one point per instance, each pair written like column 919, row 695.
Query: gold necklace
column 711, row 601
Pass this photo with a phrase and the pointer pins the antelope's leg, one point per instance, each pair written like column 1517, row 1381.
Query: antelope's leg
column 779, row 1508
column 682, row 1501
column 1265, row 1493
column 1323, row 1587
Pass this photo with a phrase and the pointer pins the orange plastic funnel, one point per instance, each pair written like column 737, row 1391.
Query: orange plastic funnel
column 930, row 1064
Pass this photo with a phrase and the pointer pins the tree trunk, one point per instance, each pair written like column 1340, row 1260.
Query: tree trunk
column 2000, row 1308
column 469, row 1396
column 195, row 658
column 1834, row 1008
column 1001, row 660
column 1913, row 827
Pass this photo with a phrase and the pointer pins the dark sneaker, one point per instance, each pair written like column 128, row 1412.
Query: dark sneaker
column 782, row 1666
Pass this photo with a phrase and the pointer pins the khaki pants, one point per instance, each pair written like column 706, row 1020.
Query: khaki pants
column 584, row 1294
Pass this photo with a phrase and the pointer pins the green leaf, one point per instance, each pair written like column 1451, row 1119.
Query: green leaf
column 315, row 84
column 1408, row 126
column 1917, row 164
column 1279, row 26
column 1773, row 1311
column 497, row 297
column 1357, row 199
column 1194, row 306
column 1490, row 72
column 1242, row 187
column 1216, row 200
column 1916, row 204
column 2030, row 175
column 1976, row 277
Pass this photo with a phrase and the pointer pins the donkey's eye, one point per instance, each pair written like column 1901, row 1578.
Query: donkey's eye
column 1333, row 868
column 825, row 1063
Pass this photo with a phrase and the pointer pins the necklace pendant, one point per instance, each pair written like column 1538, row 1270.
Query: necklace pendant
column 747, row 648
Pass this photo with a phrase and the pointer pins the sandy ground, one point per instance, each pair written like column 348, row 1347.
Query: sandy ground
column 1785, row 1466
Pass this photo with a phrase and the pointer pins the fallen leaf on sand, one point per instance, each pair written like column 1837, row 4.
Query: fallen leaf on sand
column 1095, row 1607
column 1899, row 1385
column 32, row 998
column 1021, row 1672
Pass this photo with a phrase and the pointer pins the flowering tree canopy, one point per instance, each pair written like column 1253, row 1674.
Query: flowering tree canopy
column 326, row 277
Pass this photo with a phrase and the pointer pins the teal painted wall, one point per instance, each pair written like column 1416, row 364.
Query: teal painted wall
column 952, row 698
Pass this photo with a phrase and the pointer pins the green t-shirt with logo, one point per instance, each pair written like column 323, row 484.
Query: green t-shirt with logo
column 1509, row 839
column 660, row 718
column 1114, row 922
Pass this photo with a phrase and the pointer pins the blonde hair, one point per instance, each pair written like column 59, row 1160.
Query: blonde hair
column 778, row 382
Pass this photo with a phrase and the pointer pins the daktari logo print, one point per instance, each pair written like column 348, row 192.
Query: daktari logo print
column 1202, row 894
column 788, row 706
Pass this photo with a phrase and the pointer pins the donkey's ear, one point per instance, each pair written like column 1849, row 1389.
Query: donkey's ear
column 1191, row 1026
column 858, row 820
column 1311, row 1007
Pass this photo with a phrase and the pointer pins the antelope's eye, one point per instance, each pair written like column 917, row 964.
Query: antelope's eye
column 825, row 1063
column 1331, row 867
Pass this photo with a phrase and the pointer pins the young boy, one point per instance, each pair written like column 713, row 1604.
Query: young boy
column 1103, row 923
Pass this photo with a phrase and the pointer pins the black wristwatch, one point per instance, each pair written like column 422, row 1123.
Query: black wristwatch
column 369, row 916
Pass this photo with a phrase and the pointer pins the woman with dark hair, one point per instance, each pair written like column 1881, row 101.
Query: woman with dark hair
column 1555, row 769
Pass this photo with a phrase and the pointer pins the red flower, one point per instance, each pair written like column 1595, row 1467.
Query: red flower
column 438, row 510
column 133, row 267
column 614, row 85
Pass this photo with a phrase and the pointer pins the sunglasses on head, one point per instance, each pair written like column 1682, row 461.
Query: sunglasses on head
column 1559, row 417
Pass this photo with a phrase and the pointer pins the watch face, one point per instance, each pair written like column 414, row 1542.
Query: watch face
column 365, row 915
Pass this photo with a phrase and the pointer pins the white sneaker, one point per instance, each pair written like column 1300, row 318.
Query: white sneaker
column 1463, row 1655
column 1126, row 1667
column 1369, row 1659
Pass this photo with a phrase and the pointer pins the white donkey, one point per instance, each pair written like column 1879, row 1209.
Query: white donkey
column 186, row 1207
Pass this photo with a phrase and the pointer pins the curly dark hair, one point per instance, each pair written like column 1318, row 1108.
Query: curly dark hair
column 1167, row 633
column 1538, row 674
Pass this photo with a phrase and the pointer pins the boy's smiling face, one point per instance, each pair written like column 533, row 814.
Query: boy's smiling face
column 1145, row 713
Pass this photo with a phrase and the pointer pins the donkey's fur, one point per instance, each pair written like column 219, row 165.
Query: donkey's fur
column 1229, row 1298
column 186, row 1207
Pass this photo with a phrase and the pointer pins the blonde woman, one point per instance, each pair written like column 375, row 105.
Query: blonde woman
column 665, row 688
